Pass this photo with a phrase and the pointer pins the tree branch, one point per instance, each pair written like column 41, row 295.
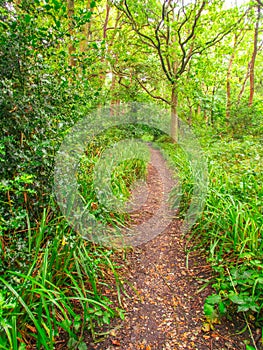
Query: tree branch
column 259, row 2
column 151, row 94
column 167, row 71
column 186, row 57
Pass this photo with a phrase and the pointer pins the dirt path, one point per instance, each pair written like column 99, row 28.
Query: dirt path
column 164, row 310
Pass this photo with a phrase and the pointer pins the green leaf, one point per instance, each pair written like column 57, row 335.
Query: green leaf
column 72, row 343
column 221, row 308
column 106, row 318
column 27, row 18
column 57, row 5
column 237, row 299
column 213, row 299
column 209, row 311
column 242, row 308
column 92, row 4
column 82, row 346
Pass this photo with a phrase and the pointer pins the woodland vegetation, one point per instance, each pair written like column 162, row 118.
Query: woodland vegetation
column 59, row 61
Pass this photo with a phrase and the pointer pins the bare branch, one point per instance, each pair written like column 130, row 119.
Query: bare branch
column 217, row 38
column 167, row 70
column 151, row 94
column 186, row 57
column 134, row 25
column 197, row 16
column 260, row 2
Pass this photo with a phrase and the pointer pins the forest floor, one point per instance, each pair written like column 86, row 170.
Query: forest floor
column 164, row 309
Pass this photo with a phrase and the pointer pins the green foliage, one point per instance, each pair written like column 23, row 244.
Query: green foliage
column 50, row 278
column 242, row 116
column 122, row 177
column 179, row 160
column 231, row 226
column 55, row 286
column 37, row 98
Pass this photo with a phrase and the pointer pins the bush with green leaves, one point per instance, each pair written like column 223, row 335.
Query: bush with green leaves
column 41, row 97
column 231, row 225
column 230, row 228
column 50, row 277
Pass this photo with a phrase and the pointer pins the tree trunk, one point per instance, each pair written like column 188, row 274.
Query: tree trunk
column 213, row 105
column 228, row 84
column 113, row 102
column 71, row 47
column 244, row 84
column 86, row 30
column 174, row 115
column 198, row 110
column 102, row 74
column 253, row 60
column 190, row 115
column 206, row 117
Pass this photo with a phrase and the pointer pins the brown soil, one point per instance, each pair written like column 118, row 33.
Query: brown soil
column 165, row 303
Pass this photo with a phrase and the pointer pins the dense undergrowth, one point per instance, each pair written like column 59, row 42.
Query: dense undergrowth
column 51, row 279
column 230, row 228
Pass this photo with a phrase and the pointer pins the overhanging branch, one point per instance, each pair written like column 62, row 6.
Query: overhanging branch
column 151, row 94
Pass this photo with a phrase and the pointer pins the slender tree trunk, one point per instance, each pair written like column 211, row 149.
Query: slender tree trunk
column 113, row 102
column 237, row 40
column 228, row 84
column 206, row 117
column 102, row 74
column 105, row 26
column 198, row 110
column 71, row 47
column 253, row 60
column 244, row 84
column 86, row 30
column 212, row 109
column 174, row 115
column 190, row 116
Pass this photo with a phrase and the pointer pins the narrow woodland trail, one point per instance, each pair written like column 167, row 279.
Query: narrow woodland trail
column 164, row 310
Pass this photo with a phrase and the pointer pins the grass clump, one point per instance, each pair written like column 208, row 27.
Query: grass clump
column 230, row 228
column 52, row 281
column 54, row 289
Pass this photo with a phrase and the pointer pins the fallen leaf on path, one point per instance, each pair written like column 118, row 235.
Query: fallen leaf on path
column 116, row 342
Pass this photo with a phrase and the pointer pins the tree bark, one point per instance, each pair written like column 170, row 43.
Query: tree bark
column 198, row 110
column 174, row 115
column 228, row 84
column 113, row 101
column 71, row 47
column 86, row 30
column 253, row 60
column 244, row 84
column 104, row 33
column 190, row 115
